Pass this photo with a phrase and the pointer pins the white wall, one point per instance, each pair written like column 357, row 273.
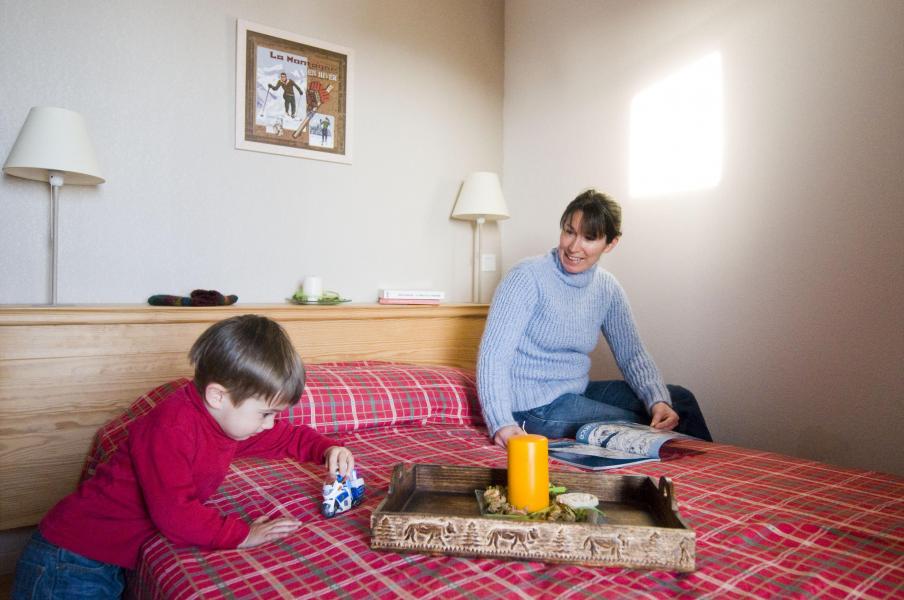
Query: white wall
column 776, row 296
column 183, row 209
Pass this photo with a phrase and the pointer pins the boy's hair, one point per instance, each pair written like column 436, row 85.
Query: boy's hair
column 249, row 355
column 601, row 215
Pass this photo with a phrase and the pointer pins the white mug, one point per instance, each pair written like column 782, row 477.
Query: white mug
column 312, row 287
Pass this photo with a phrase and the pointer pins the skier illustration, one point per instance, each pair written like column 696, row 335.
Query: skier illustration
column 324, row 130
column 287, row 86
column 317, row 96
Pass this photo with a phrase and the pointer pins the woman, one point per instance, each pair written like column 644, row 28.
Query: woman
column 545, row 320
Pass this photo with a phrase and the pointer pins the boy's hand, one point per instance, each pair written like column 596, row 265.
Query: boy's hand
column 264, row 530
column 338, row 459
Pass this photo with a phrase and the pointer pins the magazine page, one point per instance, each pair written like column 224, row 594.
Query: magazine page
column 600, row 446
column 629, row 438
column 596, row 458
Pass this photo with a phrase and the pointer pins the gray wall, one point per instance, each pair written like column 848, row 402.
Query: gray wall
column 776, row 296
column 183, row 209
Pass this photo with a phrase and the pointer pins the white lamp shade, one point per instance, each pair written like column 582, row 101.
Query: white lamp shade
column 480, row 197
column 54, row 140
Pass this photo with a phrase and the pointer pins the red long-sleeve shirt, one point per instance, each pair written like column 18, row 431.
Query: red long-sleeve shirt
column 174, row 458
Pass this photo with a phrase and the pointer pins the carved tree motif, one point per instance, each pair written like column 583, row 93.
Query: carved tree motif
column 472, row 538
column 685, row 546
column 384, row 529
column 561, row 543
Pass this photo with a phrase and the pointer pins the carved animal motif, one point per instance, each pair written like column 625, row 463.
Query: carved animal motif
column 652, row 544
column 605, row 546
column 601, row 546
column 425, row 533
column 499, row 537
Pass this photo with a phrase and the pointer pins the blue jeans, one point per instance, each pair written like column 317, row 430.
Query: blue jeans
column 609, row 401
column 48, row 572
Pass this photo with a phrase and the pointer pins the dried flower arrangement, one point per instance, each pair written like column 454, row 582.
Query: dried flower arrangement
column 568, row 508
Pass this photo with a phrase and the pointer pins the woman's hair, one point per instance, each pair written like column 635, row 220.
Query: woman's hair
column 249, row 355
column 601, row 215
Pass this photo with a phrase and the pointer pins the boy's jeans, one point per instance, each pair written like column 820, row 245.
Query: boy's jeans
column 609, row 401
column 48, row 572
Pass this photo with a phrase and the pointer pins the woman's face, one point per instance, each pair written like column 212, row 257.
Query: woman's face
column 578, row 253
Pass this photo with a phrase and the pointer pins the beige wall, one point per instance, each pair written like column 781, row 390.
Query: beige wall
column 183, row 209
column 776, row 296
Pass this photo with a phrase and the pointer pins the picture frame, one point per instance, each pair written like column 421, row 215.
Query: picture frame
column 293, row 94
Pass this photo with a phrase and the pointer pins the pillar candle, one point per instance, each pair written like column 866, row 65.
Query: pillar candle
column 528, row 472
column 312, row 287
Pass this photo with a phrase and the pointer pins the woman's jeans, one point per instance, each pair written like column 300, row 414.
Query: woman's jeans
column 48, row 572
column 609, row 401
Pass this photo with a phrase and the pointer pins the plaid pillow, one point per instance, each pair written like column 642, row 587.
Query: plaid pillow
column 345, row 396
column 341, row 396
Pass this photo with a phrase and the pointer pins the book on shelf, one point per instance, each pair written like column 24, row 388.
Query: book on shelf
column 599, row 446
column 412, row 294
column 407, row 301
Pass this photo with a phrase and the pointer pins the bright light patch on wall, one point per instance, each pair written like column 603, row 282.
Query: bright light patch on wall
column 676, row 131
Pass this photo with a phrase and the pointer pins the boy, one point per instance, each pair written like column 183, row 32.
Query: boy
column 174, row 458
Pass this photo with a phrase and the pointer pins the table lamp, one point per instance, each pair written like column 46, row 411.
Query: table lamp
column 480, row 200
column 54, row 146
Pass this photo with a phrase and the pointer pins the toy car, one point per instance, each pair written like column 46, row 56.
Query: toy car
column 343, row 494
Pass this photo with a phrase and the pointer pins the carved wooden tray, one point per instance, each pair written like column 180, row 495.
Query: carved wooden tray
column 432, row 509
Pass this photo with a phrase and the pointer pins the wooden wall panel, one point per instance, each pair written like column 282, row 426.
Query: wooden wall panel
column 65, row 371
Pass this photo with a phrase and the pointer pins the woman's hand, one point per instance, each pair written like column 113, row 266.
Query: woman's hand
column 664, row 417
column 502, row 436
column 264, row 530
column 338, row 459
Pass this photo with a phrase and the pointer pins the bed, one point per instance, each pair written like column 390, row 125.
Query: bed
column 766, row 525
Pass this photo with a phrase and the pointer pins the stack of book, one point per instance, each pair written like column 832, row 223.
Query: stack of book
column 410, row 297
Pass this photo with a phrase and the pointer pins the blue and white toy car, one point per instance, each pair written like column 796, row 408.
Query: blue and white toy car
column 343, row 494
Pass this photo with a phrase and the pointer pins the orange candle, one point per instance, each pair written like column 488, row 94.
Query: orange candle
column 528, row 472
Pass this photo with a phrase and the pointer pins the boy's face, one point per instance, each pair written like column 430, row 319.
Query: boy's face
column 252, row 417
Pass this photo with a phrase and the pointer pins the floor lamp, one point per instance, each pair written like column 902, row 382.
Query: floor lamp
column 54, row 146
column 480, row 200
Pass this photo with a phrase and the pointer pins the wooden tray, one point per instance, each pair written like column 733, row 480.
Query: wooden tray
column 432, row 509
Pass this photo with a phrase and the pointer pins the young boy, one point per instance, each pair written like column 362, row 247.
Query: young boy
column 174, row 458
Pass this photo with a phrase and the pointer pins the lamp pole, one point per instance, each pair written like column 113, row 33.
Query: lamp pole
column 475, row 286
column 56, row 182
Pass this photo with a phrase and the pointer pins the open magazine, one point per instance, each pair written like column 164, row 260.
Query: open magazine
column 599, row 446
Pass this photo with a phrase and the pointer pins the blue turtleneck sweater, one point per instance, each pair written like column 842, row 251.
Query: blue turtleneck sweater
column 543, row 324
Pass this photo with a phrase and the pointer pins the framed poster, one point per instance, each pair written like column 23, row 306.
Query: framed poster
column 293, row 94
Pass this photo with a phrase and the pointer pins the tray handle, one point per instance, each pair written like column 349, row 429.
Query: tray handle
column 667, row 489
column 403, row 475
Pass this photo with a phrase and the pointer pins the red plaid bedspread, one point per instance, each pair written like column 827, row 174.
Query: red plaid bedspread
column 767, row 526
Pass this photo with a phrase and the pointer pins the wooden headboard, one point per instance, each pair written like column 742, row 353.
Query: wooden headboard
column 65, row 371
